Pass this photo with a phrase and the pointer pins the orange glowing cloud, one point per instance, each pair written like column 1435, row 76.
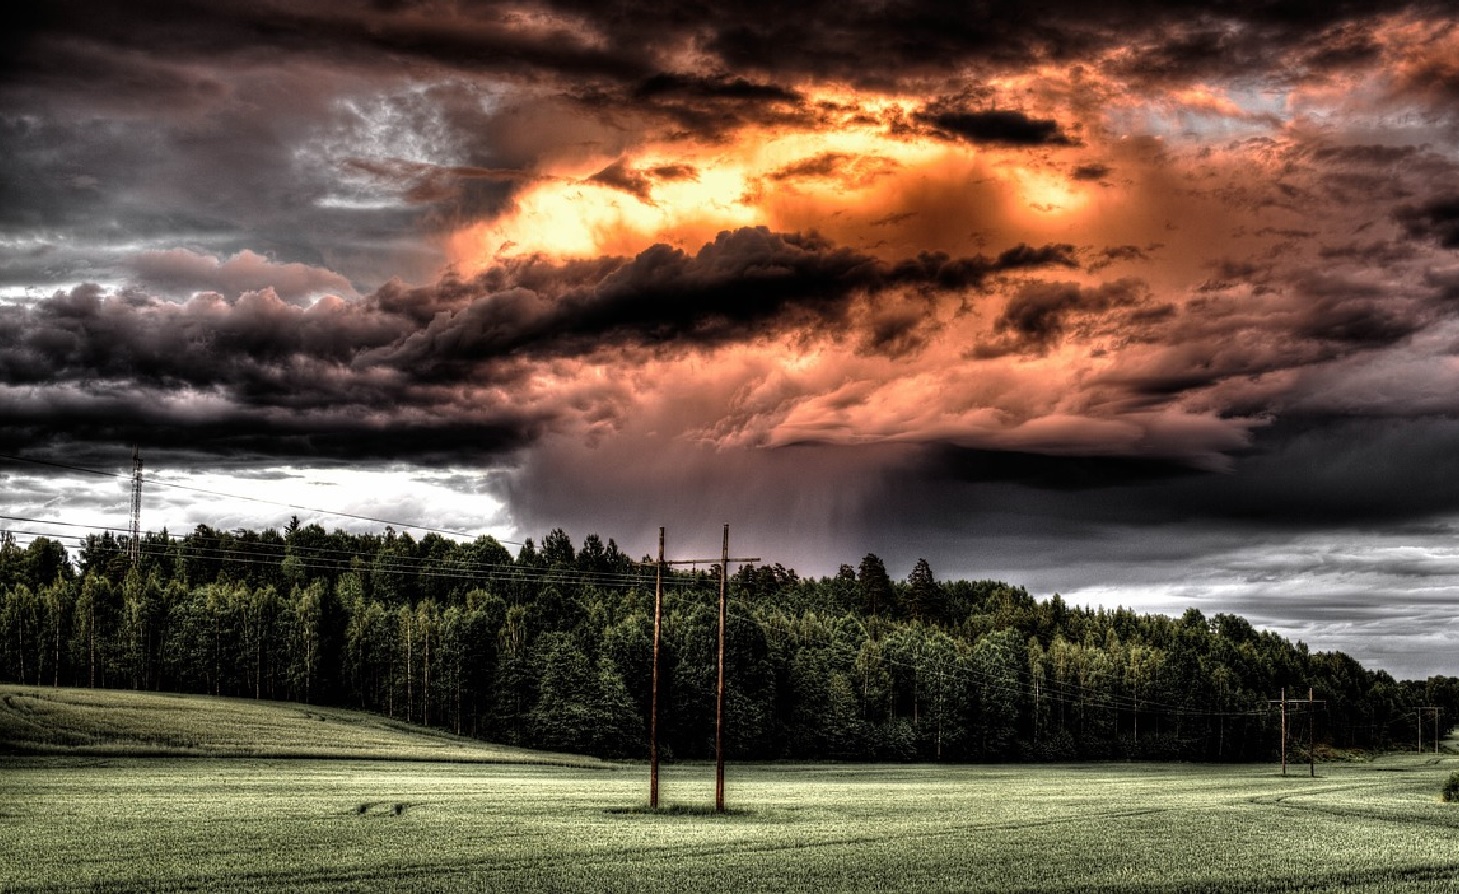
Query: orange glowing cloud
column 863, row 178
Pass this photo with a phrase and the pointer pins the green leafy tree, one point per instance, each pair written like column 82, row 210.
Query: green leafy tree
column 20, row 633
column 944, row 685
column 142, row 617
column 58, row 605
column 565, row 716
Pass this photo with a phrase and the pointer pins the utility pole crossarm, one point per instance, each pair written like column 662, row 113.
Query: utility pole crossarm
column 715, row 561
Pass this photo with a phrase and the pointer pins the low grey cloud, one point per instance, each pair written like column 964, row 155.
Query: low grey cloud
column 183, row 272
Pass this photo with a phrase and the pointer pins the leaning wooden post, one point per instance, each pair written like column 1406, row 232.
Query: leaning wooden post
column 653, row 717
column 719, row 698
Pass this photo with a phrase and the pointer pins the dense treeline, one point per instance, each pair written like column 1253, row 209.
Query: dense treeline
column 552, row 648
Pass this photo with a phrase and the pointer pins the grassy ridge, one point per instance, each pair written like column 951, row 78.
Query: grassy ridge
column 100, row 722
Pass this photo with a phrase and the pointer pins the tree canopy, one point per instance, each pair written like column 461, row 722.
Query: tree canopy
column 552, row 648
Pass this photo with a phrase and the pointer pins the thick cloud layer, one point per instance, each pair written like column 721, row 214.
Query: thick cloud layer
column 1146, row 302
column 459, row 350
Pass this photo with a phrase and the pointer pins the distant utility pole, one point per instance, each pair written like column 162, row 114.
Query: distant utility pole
column 1311, row 704
column 1421, row 709
column 653, row 745
column 136, row 545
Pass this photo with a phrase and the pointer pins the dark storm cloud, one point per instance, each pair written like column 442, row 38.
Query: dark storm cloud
column 998, row 127
column 71, row 433
column 1299, row 471
column 742, row 285
column 86, row 335
column 666, row 84
column 1039, row 312
column 1114, row 254
column 940, row 269
column 1289, row 42
column 619, row 176
column 479, row 36
column 1436, row 219
column 640, row 183
column 860, row 42
column 1091, row 172
column 1358, row 320
column 1375, row 254
column 702, row 107
column 379, row 363
column 881, row 44
column 824, row 165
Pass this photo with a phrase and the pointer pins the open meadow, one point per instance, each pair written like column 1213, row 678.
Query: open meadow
column 207, row 823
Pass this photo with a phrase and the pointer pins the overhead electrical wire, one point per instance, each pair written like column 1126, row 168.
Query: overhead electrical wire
column 337, row 560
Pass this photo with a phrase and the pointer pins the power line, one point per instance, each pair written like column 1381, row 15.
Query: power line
column 335, row 560
column 402, row 562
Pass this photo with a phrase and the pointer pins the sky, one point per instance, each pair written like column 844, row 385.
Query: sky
column 1153, row 305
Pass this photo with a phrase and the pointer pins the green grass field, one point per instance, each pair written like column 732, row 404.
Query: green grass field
column 250, row 823
column 121, row 723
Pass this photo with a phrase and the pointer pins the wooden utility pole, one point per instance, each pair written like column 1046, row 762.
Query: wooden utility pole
column 653, row 744
column 653, row 718
column 1284, row 731
column 1311, row 704
column 719, row 688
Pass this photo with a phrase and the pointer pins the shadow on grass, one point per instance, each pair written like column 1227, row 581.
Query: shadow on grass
column 676, row 810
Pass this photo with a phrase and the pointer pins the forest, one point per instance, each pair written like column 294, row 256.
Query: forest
column 552, row 648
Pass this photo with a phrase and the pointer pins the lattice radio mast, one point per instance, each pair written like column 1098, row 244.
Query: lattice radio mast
column 136, row 545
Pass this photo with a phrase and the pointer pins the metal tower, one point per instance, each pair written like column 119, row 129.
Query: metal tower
column 136, row 545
